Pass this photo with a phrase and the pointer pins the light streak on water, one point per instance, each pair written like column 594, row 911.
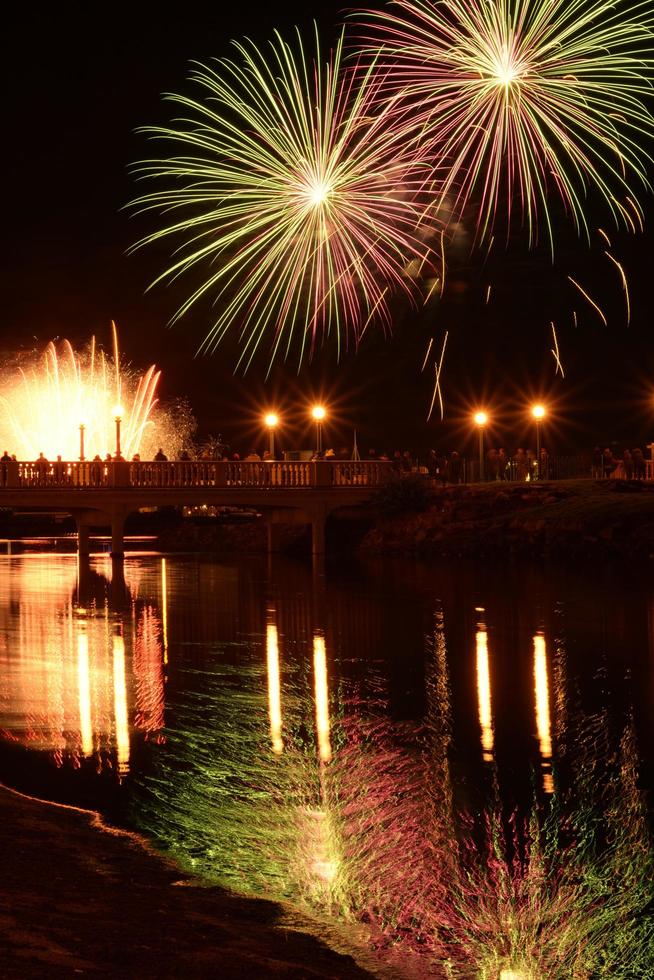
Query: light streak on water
column 322, row 697
column 164, row 609
column 83, row 679
column 484, row 695
column 543, row 716
column 120, row 705
column 274, row 689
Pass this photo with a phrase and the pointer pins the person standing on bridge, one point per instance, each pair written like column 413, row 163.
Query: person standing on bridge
column 160, row 456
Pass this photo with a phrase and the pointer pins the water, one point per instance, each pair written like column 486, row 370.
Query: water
column 456, row 757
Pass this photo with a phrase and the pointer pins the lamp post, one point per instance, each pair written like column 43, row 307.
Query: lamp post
column 118, row 414
column 318, row 413
column 271, row 420
column 538, row 412
column 481, row 418
column 81, row 442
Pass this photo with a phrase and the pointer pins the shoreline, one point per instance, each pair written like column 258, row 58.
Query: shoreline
column 565, row 521
column 109, row 904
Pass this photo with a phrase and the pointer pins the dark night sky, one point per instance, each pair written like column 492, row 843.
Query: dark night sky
column 79, row 79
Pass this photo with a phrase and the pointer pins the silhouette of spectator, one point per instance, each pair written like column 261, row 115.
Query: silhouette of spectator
column 544, row 464
column 492, row 465
column 521, row 465
column 455, row 468
column 608, row 462
column 628, row 463
column 160, row 456
column 502, row 463
column 640, row 469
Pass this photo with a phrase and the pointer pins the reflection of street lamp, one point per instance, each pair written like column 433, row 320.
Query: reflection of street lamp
column 538, row 412
column 481, row 418
column 271, row 421
column 118, row 414
column 81, row 442
column 318, row 413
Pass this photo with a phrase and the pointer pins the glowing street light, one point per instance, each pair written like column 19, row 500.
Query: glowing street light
column 538, row 412
column 118, row 415
column 271, row 420
column 82, row 427
column 481, row 419
column 318, row 413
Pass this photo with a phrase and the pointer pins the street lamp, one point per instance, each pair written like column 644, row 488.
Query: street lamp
column 481, row 418
column 538, row 412
column 81, row 442
column 271, row 421
column 318, row 413
column 118, row 414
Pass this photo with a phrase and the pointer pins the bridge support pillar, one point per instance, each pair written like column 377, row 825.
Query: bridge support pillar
column 117, row 536
column 83, row 540
column 274, row 537
column 318, row 520
column 119, row 592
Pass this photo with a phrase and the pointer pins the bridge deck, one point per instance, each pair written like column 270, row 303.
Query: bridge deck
column 99, row 493
column 198, row 474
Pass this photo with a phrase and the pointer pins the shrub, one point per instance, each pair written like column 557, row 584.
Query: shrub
column 406, row 494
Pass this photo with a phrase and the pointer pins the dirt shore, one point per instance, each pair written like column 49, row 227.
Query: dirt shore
column 77, row 900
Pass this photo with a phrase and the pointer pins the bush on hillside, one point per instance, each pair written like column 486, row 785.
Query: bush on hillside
column 407, row 494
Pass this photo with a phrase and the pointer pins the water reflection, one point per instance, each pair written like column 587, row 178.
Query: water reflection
column 323, row 744
column 321, row 698
column 484, row 694
column 543, row 721
column 77, row 675
column 274, row 688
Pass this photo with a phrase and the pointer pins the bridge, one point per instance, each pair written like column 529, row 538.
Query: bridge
column 100, row 494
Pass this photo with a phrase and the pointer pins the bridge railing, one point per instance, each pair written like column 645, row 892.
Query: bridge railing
column 107, row 474
column 58, row 474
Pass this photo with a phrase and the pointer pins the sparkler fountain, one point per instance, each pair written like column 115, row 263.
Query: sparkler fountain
column 62, row 403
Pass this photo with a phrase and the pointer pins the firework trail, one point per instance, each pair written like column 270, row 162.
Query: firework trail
column 555, row 353
column 296, row 202
column 589, row 300
column 429, row 347
column 625, row 286
column 515, row 102
column 438, row 367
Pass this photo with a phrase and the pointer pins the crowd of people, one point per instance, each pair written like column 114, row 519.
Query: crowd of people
column 444, row 467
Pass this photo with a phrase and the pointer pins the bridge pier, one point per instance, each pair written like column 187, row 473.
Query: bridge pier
column 318, row 535
column 118, row 535
column 83, row 539
column 274, row 537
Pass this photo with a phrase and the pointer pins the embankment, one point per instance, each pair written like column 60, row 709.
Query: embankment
column 583, row 520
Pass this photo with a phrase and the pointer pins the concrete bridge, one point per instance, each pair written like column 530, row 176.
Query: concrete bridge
column 104, row 494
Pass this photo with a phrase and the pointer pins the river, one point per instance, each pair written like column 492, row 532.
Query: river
column 454, row 758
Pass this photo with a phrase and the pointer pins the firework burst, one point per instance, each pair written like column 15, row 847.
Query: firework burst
column 520, row 101
column 299, row 205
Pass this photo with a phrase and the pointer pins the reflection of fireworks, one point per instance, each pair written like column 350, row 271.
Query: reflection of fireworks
column 296, row 195
column 70, row 686
column 523, row 99
column 376, row 835
column 43, row 406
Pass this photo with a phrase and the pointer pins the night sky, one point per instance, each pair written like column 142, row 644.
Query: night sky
column 79, row 79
